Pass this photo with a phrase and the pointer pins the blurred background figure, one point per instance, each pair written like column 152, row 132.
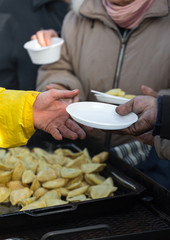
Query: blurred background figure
column 19, row 19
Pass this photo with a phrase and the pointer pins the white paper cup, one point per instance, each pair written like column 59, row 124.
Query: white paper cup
column 44, row 55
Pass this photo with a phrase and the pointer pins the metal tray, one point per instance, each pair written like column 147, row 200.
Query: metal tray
column 124, row 198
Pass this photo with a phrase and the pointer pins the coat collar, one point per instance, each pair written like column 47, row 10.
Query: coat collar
column 94, row 9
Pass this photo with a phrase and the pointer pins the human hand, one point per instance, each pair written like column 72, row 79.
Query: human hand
column 44, row 37
column 61, row 87
column 146, row 138
column 149, row 91
column 49, row 115
column 146, row 109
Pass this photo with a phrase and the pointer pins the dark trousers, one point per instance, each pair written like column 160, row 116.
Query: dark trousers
column 156, row 168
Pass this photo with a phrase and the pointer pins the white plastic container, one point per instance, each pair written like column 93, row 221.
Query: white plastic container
column 44, row 55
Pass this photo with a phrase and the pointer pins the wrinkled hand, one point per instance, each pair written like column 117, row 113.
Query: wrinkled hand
column 146, row 109
column 49, row 115
column 61, row 87
column 149, row 91
column 44, row 37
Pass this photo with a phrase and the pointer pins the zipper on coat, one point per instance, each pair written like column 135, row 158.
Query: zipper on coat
column 123, row 43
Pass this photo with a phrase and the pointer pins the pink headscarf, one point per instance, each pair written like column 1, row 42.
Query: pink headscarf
column 128, row 16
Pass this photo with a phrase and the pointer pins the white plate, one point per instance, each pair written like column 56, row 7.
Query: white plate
column 111, row 99
column 100, row 115
column 104, row 97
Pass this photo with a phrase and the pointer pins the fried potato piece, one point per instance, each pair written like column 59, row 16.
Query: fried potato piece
column 18, row 195
column 76, row 163
column 39, row 192
column 57, row 169
column 27, row 201
column 41, row 164
column 19, row 152
column 78, row 198
column 129, row 96
column 52, row 194
column 63, row 192
column 102, row 190
column 74, row 185
column 28, row 177
column 70, row 154
column 94, row 178
column 55, row 202
column 92, row 167
column 101, row 157
column 14, row 185
column 10, row 160
column 4, row 194
column 37, row 204
column 77, row 191
column 31, row 163
column 56, row 183
column 2, row 153
column 5, row 176
column 74, row 180
column 35, row 185
column 43, row 154
column 116, row 92
column 46, row 174
column 5, row 167
column 18, row 171
column 70, row 172
column 86, row 153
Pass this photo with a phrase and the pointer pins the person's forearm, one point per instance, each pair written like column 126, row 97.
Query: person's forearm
column 165, row 118
column 16, row 117
column 162, row 126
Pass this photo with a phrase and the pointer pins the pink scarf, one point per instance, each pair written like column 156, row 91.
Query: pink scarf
column 128, row 16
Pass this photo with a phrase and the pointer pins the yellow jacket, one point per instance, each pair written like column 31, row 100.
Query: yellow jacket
column 16, row 117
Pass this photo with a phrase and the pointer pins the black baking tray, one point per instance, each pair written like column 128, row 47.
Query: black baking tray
column 125, row 197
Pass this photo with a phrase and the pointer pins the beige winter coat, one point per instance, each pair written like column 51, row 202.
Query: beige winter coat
column 96, row 55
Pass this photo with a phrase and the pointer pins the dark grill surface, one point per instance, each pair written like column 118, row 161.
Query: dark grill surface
column 136, row 220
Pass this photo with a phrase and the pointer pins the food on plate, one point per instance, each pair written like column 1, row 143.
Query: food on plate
column 36, row 178
column 120, row 93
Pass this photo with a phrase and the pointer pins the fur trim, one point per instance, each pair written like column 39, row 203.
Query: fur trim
column 76, row 4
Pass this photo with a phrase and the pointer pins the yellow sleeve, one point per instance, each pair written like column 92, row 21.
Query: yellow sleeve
column 16, row 117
